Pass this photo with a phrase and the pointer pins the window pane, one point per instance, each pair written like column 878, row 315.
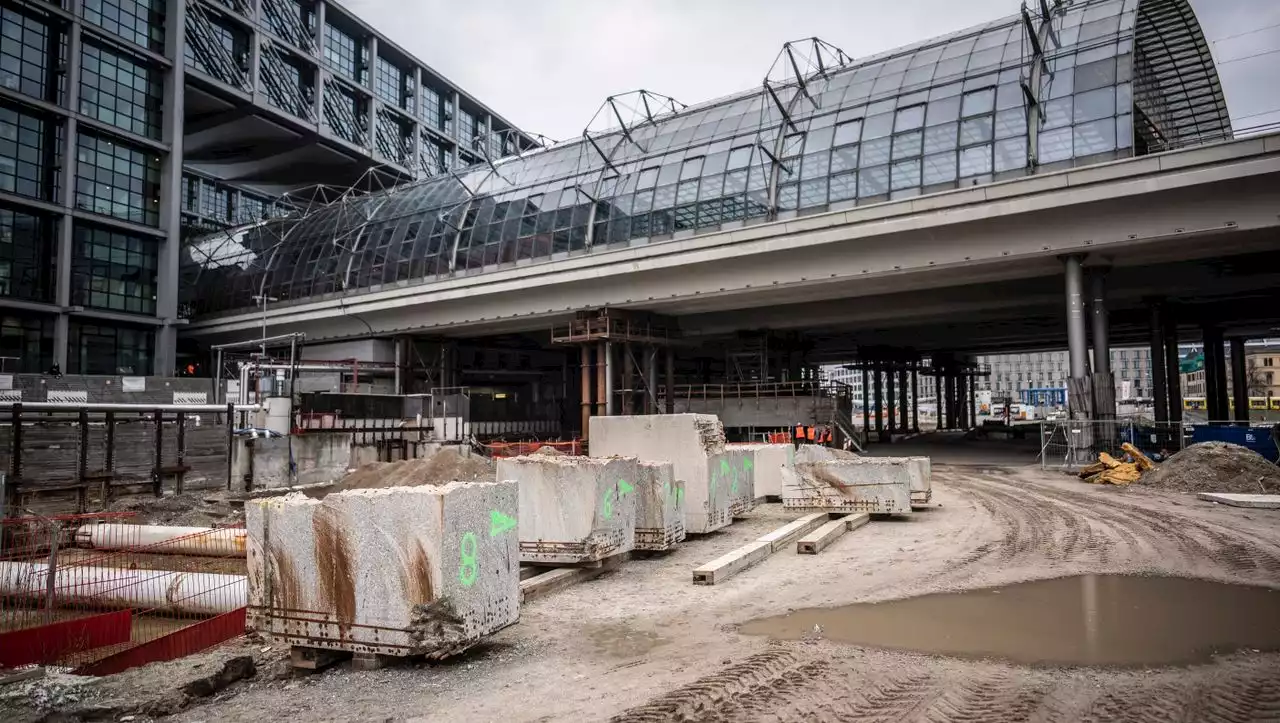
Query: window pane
column 1095, row 75
column 849, row 132
column 875, row 152
column 974, row 161
column 1011, row 154
column 844, row 186
column 844, row 159
column 940, row 138
column 1055, row 145
column 692, row 168
column 813, row 193
column 740, row 157
column 1096, row 137
column 909, row 118
column 939, row 168
column 873, row 181
column 943, row 110
column 815, row 165
column 906, row 174
column 1057, row 113
column 975, row 130
column 908, row 144
column 1009, row 95
column 1095, row 104
column 1011, row 123
column 979, row 101
column 877, row 126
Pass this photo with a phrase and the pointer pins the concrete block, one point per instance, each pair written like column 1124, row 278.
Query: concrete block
column 819, row 539
column 871, row 484
column 660, row 507
column 726, row 566
column 768, row 461
column 398, row 571
column 573, row 509
column 734, row 470
column 920, row 469
column 1264, row 502
column 688, row 442
column 788, row 533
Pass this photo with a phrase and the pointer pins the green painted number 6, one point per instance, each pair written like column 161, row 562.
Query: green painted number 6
column 607, row 507
column 467, row 569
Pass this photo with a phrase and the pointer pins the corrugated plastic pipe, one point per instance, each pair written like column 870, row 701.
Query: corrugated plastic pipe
column 164, row 539
column 200, row 593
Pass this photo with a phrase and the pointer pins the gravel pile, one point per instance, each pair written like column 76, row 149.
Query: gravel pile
column 443, row 467
column 1215, row 467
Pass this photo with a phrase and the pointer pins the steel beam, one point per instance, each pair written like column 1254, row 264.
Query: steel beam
column 1239, row 381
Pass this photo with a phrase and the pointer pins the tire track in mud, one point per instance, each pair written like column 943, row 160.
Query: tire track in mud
column 1042, row 526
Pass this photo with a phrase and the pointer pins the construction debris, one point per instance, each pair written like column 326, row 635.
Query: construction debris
column 447, row 465
column 1216, row 467
column 1111, row 471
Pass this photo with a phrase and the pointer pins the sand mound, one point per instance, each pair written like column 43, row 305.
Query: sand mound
column 549, row 452
column 443, row 467
column 1215, row 467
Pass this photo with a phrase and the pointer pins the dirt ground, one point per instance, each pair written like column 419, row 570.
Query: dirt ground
column 644, row 644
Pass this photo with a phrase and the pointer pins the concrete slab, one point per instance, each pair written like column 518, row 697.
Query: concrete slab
column 425, row 570
column 768, row 461
column 785, row 535
column 819, row 539
column 870, row 484
column 726, row 566
column 688, row 442
column 1263, row 502
column 921, row 469
column 660, row 507
column 573, row 509
column 734, row 469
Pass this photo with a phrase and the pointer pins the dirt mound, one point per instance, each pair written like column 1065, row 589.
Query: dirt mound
column 1215, row 467
column 443, row 467
column 549, row 452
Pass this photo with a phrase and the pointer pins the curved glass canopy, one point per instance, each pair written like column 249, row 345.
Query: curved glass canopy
column 1060, row 85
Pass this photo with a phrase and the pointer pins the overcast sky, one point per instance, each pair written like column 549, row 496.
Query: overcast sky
column 547, row 65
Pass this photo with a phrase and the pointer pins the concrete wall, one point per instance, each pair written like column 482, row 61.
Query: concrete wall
column 366, row 350
column 574, row 509
column 401, row 571
column 320, row 458
column 689, row 442
column 105, row 389
column 762, row 413
column 769, row 461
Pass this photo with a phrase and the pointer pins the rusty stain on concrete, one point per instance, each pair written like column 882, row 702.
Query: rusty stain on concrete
column 284, row 581
column 334, row 562
column 415, row 577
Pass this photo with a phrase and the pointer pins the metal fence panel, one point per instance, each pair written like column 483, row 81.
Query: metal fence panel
column 1074, row 443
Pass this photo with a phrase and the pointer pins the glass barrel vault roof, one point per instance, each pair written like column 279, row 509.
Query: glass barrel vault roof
column 1094, row 80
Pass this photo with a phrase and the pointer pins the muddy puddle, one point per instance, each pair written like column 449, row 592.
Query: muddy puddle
column 1110, row 620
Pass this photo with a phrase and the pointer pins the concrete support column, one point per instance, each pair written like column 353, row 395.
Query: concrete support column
column 1100, row 324
column 671, row 381
column 1215, row 372
column 890, row 399
column 628, row 379
column 67, row 199
column 602, row 355
column 374, row 103
column 973, row 400
column 1077, row 350
column 651, row 380
column 397, row 355
column 1239, row 382
column 1172, row 363
column 866, row 402
column 1159, row 388
column 610, row 407
column 585, row 389
column 940, row 395
column 879, row 398
column 166, row 341
column 915, row 397
column 904, row 423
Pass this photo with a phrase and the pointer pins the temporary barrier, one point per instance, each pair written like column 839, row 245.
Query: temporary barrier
column 57, row 599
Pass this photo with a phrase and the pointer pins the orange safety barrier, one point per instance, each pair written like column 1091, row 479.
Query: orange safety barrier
column 520, row 449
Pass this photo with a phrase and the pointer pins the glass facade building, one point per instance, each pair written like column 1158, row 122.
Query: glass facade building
column 107, row 111
column 1091, row 81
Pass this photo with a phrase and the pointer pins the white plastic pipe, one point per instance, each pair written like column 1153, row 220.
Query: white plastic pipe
column 164, row 539
column 201, row 593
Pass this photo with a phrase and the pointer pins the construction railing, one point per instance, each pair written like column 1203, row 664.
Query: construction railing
column 94, row 454
column 1073, row 443
column 96, row 595
column 754, row 390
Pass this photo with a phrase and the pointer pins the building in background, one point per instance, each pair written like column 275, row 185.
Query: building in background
column 129, row 125
column 1014, row 374
column 1262, row 369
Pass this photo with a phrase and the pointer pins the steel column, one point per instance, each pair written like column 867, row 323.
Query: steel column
column 1172, row 360
column 973, row 399
column 915, row 397
column 602, row 353
column 651, row 380
column 866, row 401
column 1101, row 326
column 671, row 381
column 1239, row 381
column 890, row 398
column 904, row 423
column 1214, row 374
column 628, row 379
column 1159, row 390
column 609, row 408
column 1076, row 344
column 879, row 400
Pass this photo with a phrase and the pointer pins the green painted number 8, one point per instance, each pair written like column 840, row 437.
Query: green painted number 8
column 607, row 508
column 467, row 569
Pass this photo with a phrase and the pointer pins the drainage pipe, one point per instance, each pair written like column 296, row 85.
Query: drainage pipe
column 200, row 593
column 164, row 539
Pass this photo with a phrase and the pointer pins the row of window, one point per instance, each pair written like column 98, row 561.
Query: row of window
column 27, row 341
